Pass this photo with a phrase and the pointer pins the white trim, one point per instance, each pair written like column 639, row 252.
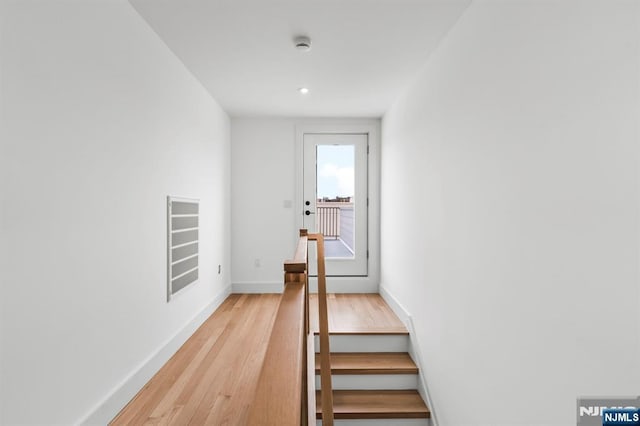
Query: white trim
column 414, row 348
column 177, row 231
column 185, row 199
column 184, row 245
column 406, row 381
column 334, row 285
column 184, row 273
column 395, row 306
column 258, row 287
column 345, row 285
column 370, row 126
column 378, row 422
column 120, row 396
column 416, row 355
column 185, row 258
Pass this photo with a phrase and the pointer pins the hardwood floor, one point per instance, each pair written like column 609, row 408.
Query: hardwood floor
column 213, row 377
column 357, row 313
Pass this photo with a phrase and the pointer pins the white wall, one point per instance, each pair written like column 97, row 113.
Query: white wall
column 510, row 210
column 263, row 178
column 100, row 123
column 264, row 158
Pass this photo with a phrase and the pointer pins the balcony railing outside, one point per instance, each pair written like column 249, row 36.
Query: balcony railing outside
column 328, row 221
column 336, row 220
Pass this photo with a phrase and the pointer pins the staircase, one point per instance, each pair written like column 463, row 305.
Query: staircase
column 374, row 380
column 364, row 363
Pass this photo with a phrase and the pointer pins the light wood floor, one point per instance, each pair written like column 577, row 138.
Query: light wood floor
column 212, row 378
column 356, row 313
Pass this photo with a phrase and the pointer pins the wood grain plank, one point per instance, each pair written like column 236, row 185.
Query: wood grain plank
column 279, row 390
column 219, row 365
column 376, row 404
column 138, row 411
column 357, row 314
column 244, row 379
column 197, row 378
column 370, row 363
column 323, row 322
column 299, row 261
column 311, row 383
column 200, row 393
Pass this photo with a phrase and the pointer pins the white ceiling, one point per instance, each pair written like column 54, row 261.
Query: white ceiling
column 364, row 52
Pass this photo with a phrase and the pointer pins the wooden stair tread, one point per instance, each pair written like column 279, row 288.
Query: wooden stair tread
column 376, row 404
column 370, row 363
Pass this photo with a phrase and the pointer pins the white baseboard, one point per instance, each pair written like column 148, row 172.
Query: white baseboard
column 395, row 306
column 258, row 287
column 334, row 285
column 106, row 410
column 346, row 285
column 414, row 348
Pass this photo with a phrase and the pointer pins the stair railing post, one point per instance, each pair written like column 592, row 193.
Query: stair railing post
column 326, row 392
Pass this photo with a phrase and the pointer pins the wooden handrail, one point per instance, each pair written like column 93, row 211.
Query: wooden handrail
column 280, row 387
column 323, row 320
column 284, row 394
column 299, row 262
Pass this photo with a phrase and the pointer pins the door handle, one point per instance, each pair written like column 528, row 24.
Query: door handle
column 307, row 212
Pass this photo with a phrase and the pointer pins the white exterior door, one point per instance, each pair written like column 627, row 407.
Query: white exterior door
column 335, row 200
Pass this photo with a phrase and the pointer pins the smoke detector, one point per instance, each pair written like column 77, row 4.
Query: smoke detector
column 302, row 43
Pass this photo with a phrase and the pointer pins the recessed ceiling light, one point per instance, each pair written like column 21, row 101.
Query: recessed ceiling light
column 303, row 90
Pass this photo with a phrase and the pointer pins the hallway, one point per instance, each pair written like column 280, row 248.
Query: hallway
column 502, row 196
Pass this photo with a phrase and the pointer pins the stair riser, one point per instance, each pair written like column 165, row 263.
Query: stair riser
column 380, row 422
column 367, row 343
column 372, row 381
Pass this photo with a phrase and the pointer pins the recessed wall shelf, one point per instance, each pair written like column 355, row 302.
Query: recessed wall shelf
column 182, row 243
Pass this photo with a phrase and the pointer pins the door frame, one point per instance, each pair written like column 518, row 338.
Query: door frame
column 371, row 127
column 358, row 265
